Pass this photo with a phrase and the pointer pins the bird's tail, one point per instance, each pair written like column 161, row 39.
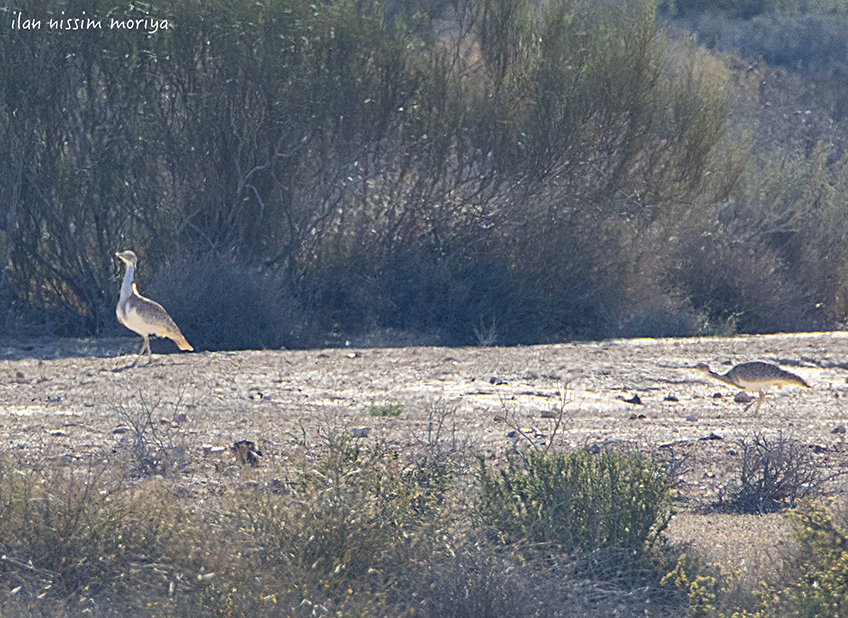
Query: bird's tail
column 181, row 341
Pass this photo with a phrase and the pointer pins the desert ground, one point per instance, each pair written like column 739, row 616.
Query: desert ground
column 70, row 400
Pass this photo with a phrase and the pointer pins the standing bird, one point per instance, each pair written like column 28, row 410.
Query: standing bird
column 755, row 376
column 142, row 315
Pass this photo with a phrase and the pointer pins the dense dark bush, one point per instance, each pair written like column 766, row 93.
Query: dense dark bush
column 735, row 279
column 468, row 174
column 503, row 174
column 220, row 305
column 803, row 42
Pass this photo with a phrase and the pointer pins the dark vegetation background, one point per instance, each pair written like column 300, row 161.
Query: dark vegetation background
column 472, row 171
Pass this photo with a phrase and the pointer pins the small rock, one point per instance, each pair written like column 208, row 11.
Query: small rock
column 180, row 417
column 58, row 432
column 20, row 378
column 496, row 381
column 839, row 429
column 713, row 436
column 361, row 432
column 122, row 429
column 692, row 418
column 246, row 452
column 635, row 399
column 819, row 448
column 743, row 397
column 717, row 395
column 670, row 398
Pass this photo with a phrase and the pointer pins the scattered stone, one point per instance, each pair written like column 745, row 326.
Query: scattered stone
column 819, row 448
column 670, row 398
column 245, row 452
column 635, row 399
column 592, row 448
column 361, row 432
column 673, row 443
column 529, row 375
column 122, row 429
column 58, row 432
column 692, row 418
column 717, row 395
column 20, row 378
column 743, row 397
column 180, row 417
column 839, row 429
column 496, row 381
column 713, row 436
column 55, row 399
column 551, row 413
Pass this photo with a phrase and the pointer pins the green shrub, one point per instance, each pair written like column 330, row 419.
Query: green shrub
column 818, row 565
column 386, row 409
column 577, row 502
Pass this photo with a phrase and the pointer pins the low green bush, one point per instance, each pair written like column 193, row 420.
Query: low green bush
column 386, row 409
column 578, row 502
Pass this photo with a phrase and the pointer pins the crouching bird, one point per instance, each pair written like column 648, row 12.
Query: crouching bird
column 755, row 376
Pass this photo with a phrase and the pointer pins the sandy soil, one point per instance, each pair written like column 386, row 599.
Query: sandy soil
column 63, row 400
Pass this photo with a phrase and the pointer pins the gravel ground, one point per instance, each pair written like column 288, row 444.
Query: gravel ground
column 63, row 400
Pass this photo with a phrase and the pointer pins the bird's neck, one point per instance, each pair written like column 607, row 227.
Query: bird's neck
column 724, row 379
column 127, row 285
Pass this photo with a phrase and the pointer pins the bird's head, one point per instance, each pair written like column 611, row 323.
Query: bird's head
column 128, row 257
column 702, row 367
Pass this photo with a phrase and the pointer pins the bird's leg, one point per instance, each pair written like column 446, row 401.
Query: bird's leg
column 147, row 344
column 140, row 353
column 759, row 402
